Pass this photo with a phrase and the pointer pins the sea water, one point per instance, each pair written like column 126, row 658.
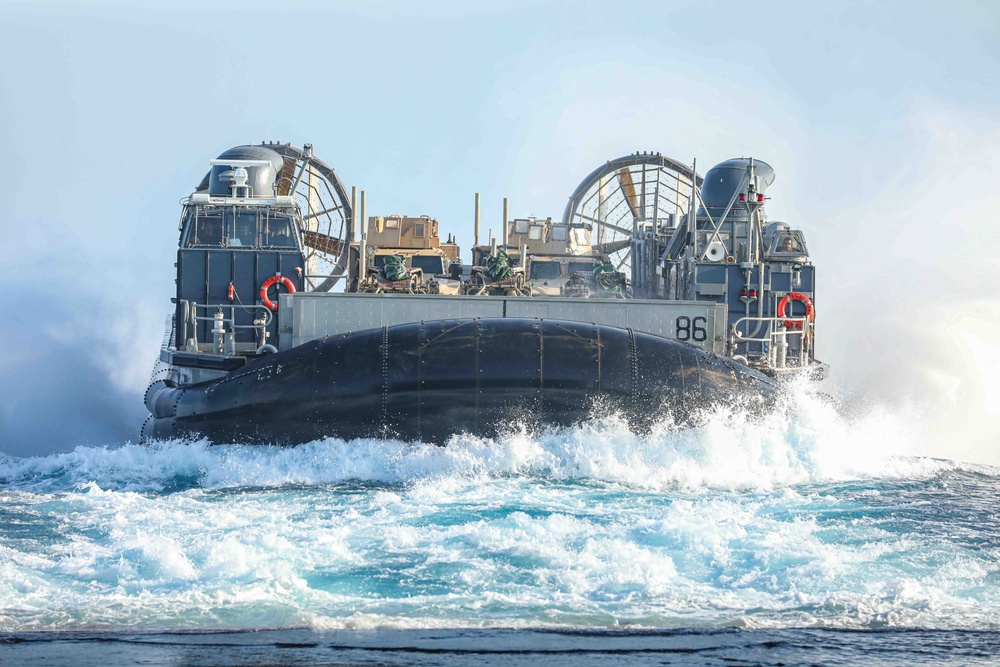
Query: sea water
column 802, row 535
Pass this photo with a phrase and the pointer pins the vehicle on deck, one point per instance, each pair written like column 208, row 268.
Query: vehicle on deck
column 425, row 258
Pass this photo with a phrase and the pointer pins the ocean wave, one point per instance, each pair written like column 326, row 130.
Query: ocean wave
column 800, row 517
column 804, row 440
column 508, row 552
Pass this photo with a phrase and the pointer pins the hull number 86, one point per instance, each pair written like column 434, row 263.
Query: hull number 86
column 691, row 328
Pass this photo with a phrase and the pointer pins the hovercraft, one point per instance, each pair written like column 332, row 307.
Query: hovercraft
column 658, row 293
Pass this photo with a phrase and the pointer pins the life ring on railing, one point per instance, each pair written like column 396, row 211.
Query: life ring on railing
column 271, row 282
column 796, row 296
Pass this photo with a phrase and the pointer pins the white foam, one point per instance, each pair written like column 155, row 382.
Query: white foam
column 738, row 520
column 805, row 440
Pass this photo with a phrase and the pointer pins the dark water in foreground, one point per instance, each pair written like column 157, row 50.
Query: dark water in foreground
column 799, row 538
column 507, row 647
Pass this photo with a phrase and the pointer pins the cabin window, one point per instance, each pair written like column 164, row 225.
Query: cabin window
column 788, row 243
column 418, row 229
column 581, row 266
column 243, row 233
column 431, row 265
column 278, row 233
column 535, row 233
column 542, row 270
column 580, row 236
column 520, row 226
column 207, row 229
column 559, row 233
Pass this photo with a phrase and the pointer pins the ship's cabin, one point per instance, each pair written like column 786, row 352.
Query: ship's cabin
column 785, row 244
column 227, row 252
column 240, row 227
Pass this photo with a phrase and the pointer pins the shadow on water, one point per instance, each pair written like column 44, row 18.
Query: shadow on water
column 727, row 646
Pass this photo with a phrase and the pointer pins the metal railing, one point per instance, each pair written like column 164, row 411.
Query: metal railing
column 775, row 340
column 224, row 328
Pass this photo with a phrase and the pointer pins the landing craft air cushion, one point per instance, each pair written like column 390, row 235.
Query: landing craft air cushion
column 659, row 293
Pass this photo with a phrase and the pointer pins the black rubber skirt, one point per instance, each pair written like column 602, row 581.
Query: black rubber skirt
column 427, row 381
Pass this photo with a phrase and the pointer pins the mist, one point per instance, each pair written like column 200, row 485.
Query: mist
column 910, row 305
column 57, row 397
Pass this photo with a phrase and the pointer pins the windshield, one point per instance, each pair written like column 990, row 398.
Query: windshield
column 243, row 234
column 580, row 236
column 241, row 228
column 207, row 229
column 581, row 266
column 429, row 264
column 545, row 269
column 278, row 233
column 788, row 243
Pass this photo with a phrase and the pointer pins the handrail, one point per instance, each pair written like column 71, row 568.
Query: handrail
column 224, row 336
column 232, row 319
column 321, row 275
column 776, row 338
column 804, row 320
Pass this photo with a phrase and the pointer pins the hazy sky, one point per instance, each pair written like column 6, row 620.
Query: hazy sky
column 882, row 121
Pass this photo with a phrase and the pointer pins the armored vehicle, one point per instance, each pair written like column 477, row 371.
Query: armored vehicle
column 416, row 241
column 560, row 260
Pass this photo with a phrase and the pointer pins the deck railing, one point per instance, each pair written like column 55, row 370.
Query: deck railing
column 224, row 327
column 777, row 339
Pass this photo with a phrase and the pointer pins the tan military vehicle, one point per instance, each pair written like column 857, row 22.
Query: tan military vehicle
column 426, row 259
column 560, row 260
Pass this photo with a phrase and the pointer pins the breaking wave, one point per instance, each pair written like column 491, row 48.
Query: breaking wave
column 806, row 440
column 799, row 517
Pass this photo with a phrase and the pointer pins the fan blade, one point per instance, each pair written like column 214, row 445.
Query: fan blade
column 611, row 247
column 628, row 189
column 322, row 242
column 285, row 177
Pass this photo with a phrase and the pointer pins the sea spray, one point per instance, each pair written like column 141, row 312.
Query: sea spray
column 804, row 439
column 796, row 517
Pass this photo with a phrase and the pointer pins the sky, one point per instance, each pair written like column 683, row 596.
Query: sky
column 881, row 120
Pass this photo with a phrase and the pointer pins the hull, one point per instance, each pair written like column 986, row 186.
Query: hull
column 430, row 380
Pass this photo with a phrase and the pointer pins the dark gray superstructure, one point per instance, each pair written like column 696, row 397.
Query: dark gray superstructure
column 652, row 296
column 236, row 232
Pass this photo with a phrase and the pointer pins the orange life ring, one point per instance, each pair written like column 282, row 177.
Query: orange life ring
column 271, row 282
column 796, row 296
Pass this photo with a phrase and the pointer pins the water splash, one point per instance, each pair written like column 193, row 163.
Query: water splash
column 798, row 517
column 804, row 440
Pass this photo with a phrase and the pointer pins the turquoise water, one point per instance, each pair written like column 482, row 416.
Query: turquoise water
column 804, row 519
